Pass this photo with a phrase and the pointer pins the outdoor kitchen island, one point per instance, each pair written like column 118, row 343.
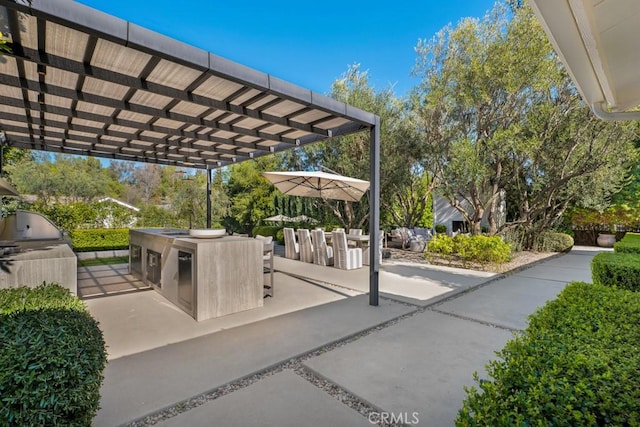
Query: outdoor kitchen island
column 205, row 277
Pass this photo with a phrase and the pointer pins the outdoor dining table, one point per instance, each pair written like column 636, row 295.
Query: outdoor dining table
column 362, row 241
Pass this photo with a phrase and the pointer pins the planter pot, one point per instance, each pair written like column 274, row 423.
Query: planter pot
column 606, row 240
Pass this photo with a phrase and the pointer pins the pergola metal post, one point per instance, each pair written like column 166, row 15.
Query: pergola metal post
column 374, row 211
column 208, row 198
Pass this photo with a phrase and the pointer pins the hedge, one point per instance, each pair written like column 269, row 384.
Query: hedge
column 576, row 364
column 52, row 355
column 630, row 243
column 617, row 269
column 266, row 230
column 481, row 249
column 551, row 241
column 100, row 239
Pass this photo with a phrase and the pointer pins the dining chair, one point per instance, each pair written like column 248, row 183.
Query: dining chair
column 344, row 257
column 291, row 248
column 306, row 247
column 366, row 254
column 354, row 232
column 322, row 253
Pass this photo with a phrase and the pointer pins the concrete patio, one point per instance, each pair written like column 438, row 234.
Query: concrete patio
column 264, row 368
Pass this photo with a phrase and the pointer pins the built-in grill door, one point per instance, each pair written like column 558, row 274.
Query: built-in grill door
column 185, row 280
column 135, row 257
column 154, row 267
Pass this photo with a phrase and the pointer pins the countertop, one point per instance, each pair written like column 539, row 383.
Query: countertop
column 38, row 249
column 180, row 235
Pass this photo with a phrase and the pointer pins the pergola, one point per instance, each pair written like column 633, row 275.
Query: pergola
column 80, row 81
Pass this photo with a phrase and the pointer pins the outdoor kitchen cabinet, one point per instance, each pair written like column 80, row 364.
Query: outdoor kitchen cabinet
column 206, row 278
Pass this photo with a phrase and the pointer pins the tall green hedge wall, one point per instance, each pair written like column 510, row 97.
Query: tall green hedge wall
column 100, row 239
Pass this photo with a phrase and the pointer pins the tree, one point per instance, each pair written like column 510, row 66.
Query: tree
column 250, row 193
column 189, row 200
column 498, row 113
column 146, row 179
column 121, row 178
column 155, row 216
column 571, row 158
column 478, row 80
column 51, row 178
column 220, row 202
column 412, row 206
column 628, row 198
column 12, row 155
column 81, row 178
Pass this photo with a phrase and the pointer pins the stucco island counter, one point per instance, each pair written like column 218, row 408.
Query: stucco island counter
column 205, row 277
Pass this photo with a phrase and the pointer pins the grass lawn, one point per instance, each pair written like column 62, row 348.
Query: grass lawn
column 103, row 261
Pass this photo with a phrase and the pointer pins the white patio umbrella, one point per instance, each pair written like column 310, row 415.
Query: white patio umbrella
column 318, row 184
column 279, row 218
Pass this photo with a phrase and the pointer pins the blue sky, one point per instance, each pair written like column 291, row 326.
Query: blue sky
column 309, row 43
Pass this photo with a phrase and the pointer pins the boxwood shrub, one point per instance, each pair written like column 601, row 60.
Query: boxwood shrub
column 480, row 249
column 441, row 244
column 630, row 243
column 576, row 364
column 52, row 355
column 551, row 241
column 617, row 269
column 266, row 230
column 483, row 249
column 100, row 239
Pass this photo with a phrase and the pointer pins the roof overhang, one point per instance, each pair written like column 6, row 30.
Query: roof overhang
column 598, row 42
column 80, row 81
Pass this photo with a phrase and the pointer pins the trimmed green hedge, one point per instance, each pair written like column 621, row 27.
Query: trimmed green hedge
column 630, row 243
column 100, row 239
column 576, row 364
column 551, row 241
column 617, row 269
column 441, row 228
column 52, row 355
column 266, row 230
column 481, row 249
column 280, row 236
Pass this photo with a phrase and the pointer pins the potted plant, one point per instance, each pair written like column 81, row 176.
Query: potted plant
column 607, row 240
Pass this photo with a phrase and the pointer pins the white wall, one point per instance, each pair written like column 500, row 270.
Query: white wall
column 445, row 214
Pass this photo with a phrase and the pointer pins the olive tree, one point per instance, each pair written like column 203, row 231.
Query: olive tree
column 498, row 113
column 478, row 80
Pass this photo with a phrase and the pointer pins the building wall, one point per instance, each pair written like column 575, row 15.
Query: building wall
column 446, row 214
